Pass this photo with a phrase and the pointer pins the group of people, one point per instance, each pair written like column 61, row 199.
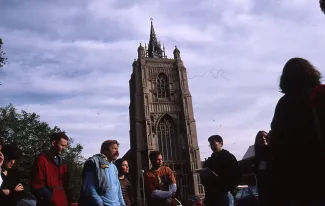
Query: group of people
column 104, row 177
column 288, row 160
column 103, row 184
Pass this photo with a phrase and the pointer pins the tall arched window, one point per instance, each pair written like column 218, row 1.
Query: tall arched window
column 162, row 86
column 167, row 138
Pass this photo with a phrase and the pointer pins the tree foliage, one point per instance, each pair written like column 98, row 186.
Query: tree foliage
column 32, row 137
column 322, row 5
column 3, row 59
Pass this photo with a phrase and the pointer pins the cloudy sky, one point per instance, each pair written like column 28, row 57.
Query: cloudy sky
column 70, row 61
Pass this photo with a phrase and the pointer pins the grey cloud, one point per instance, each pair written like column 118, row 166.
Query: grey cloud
column 84, row 123
column 76, row 20
column 73, row 60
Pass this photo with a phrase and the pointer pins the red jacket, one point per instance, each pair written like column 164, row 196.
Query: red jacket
column 49, row 180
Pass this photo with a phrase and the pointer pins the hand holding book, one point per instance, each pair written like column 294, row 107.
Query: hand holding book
column 206, row 173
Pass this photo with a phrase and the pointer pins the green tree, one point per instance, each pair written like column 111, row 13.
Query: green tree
column 3, row 59
column 32, row 137
column 322, row 5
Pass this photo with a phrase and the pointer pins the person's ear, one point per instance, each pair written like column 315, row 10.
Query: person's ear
column 53, row 143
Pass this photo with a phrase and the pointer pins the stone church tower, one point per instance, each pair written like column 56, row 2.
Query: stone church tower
column 161, row 118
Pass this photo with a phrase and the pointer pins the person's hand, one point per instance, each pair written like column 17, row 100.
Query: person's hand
column 168, row 201
column 6, row 191
column 19, row 187
column 1, row 159
column 174, row 195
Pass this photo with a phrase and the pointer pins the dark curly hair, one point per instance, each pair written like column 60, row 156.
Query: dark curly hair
column 11, row 152
column 260, row 150
column 299, row 74
column 118, row 164
column 216, row 138
column 258, row 137
column 154, row 154
column 322, row 5
column 58, row 136
column 106, row 144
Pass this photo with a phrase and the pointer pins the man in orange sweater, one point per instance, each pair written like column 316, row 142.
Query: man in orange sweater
column 160, row 183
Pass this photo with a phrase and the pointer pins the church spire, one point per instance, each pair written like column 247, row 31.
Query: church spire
column 154, row 47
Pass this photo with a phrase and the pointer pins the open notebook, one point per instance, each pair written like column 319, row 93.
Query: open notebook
column 206, row 172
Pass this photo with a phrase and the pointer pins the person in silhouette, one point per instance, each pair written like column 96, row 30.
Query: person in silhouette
column 261, row 166
column 225, row 165
column 297, row 139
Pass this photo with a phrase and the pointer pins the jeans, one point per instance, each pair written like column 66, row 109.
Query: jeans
column 26, row 202
column 231, row 199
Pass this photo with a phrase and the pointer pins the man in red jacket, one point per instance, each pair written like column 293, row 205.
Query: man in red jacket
column 50, row 175
column 1, row 158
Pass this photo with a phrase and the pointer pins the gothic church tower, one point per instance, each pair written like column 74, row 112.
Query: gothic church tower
column 161, row 118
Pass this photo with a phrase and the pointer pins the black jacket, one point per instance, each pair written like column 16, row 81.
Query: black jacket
column 225, row 165
column 297, row 153
column 10, row 181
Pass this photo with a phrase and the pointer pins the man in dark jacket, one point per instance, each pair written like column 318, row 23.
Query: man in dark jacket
column 50, row 175
column 225, row 165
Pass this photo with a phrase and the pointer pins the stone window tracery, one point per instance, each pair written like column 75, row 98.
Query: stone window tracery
column 167, row 138
column 162, row 86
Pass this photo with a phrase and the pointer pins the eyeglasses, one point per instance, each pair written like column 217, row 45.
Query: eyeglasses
column 213, row 143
